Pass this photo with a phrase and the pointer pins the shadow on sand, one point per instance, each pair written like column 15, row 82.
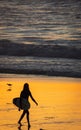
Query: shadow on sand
column 20, row 127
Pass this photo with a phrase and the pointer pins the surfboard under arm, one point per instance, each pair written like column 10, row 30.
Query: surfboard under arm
column 24, row 103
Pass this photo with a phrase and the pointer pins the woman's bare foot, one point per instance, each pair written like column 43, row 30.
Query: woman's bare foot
column 19, row 123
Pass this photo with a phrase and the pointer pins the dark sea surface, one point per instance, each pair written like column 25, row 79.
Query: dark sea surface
column 40, row 37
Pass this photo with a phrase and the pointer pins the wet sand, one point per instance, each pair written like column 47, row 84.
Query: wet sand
column 59, row 102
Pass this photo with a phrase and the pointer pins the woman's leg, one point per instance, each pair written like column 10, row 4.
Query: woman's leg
column 21, row 117
column 28, row 118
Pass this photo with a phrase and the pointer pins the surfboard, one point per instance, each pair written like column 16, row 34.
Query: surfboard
column 24, row 103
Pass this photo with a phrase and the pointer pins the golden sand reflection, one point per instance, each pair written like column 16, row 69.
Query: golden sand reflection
column 59, row 102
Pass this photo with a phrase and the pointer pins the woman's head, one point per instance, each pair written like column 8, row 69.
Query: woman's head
column 26, row 87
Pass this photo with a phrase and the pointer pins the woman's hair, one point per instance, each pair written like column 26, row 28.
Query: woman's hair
column 26, row 86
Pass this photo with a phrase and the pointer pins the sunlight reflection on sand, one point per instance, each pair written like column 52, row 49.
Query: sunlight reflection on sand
column 59, row 102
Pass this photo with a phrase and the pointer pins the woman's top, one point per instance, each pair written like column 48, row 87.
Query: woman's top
column 25, row 94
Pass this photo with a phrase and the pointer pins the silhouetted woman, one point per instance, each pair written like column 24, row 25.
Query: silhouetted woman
column 25, row 93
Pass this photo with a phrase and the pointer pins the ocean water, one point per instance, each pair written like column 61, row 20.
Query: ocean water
column 43, row 66
column 37, row 21
column 41, row 22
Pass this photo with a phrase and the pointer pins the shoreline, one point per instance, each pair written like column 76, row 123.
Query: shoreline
column 5, row 76
column 40, row 73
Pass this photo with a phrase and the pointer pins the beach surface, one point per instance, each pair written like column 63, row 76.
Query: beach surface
column 59, row 100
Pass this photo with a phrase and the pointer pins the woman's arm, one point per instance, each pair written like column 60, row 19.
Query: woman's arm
column 33, row 99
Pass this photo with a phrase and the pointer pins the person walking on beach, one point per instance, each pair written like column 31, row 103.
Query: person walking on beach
column 25, row 94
